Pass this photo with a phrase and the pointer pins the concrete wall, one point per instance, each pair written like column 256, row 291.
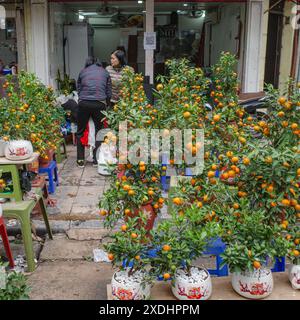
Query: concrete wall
column 287, row 47
column 57, row 18
column 263, row 45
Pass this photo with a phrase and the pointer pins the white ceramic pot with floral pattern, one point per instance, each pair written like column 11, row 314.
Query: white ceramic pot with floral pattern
column 3, row 145
column 257, row 284
column 130, row 287
column 195, row 285
column 18, row 150
column 294, row 275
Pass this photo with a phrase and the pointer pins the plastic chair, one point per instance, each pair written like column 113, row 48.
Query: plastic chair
column 60, row 156
column 4, row 237
column 21, row 210
column 217, row 247
column 51, row 170
column 17, row 191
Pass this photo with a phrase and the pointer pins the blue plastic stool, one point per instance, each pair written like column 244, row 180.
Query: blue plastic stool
column 216, row 248
column 279, row 265
column 51, row 170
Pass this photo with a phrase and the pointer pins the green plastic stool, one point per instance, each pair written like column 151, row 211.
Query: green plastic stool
column 21, row 210
column 59, row 155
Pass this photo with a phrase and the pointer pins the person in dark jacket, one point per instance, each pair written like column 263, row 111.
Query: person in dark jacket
column 94, row 91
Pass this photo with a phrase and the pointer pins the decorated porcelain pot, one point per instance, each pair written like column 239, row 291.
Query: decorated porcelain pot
column 3, row 145
column 257, row 284
column 18, row 150
column 196, row 286
column 130, row 287
column 294, row 275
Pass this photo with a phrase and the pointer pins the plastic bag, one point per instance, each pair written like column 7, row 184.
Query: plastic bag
column 100, row 256
column 106, row 157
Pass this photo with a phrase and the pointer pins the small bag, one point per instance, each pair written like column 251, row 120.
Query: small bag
column 106, row 157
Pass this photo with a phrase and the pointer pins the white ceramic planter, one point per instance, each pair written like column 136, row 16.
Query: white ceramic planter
column 256, row 284
column 126, row 287
column 294, row 275
column 3, row 145
column 196, row 286
column 18, row 150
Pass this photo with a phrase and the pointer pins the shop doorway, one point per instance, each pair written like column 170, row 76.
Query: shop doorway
column 275, row 27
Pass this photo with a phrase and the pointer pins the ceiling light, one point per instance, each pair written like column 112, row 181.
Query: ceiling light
column 80, row 17
column 140, row 2
column 185, row 4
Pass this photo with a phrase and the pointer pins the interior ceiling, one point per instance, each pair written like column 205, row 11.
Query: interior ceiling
column 133, row 6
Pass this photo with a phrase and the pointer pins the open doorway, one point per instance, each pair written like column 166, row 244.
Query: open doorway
column 275, row 27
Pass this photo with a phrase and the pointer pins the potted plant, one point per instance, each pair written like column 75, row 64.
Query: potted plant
column 293, row 236
column 15, row 286
column 252, row 244
column 138, row 190
column 177, row 243
column 127, row 252
column 30, row 113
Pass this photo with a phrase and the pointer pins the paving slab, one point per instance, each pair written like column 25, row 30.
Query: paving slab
column 64, row 192
column 81, row 211
column 86, row 234
column 89, row 224
column 69, row 181
column 92, row 181
column 71, row 172
column 61, row 248
column 64, row 280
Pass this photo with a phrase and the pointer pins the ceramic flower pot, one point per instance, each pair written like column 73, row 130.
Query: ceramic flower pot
column 294, row 275
column 130, row 287
column 44, row 162
column 196, row 286
column 148, row 211
column 3, row 145
column 18, row 150
column 256, row 284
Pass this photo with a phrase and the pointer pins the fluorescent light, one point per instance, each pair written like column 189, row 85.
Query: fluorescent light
column 140, row 2
column 144, row 11
column 185, row 4
column 178, row 11
column 80, row 17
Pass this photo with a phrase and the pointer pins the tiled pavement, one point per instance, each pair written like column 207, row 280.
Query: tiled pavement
column 79, row 191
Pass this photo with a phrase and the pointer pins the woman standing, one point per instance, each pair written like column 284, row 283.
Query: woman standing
column 94, row 90
column 115, row 70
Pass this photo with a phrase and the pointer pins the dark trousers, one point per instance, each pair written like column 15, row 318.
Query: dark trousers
column 87, row 109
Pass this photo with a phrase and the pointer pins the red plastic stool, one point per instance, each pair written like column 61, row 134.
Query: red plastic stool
column 4, row 237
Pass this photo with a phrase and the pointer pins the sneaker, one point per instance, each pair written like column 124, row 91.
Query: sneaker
column 80, row 163
column 95, row 163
